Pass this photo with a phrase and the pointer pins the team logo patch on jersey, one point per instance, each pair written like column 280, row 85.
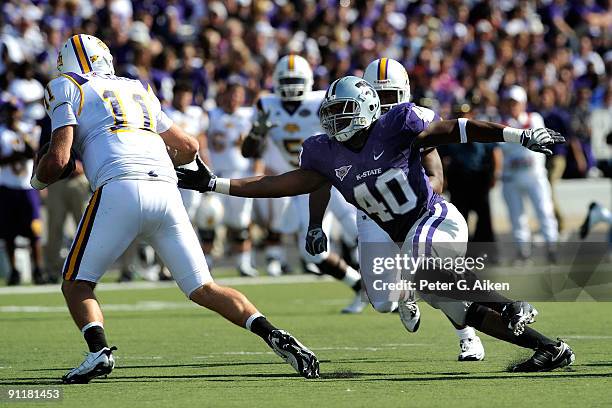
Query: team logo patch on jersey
column 304, row 112
column 341, row 172
column 291, row 127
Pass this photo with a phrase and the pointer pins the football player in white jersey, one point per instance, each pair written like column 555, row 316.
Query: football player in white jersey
column 230, row 123
column 524, row 174
column 129, row 148
column 390, row 80
column 285, row 119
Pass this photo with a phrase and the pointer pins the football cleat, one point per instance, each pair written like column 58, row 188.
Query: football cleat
column 358, row 303
column 274, row 267
column 517, row 315
column 471, row 349
column 410, row 315
column 247, row 271
column 97, row 364
column 596, row 214
column 295, row 353
column 547, row 358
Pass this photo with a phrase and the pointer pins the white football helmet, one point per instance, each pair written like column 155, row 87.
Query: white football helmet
column 292, row 78
column 350, row 105
column 210, row 213
column 85, row 53
column 390, row 79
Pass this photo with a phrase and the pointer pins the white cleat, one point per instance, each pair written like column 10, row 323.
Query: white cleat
column 97, row 364
column 471, row 349
column 248, row 271
column 274, row 267
column 358, row 304
column 410, row 315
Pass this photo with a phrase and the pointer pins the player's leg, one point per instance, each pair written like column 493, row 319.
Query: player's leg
column 237, row 219
column 513, row 195
column 271, row 210
column 29, row 212
column 540, row 194
column 56, row 216
column 208, row 217
column 97, row 244
column 175, row 241
column 597, row 213
column 329, row 262
column 443, row 234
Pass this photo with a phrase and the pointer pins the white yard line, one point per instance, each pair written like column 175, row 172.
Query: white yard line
column 113, row 286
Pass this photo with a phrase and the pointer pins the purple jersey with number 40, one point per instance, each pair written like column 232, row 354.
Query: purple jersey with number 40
column 385, row 179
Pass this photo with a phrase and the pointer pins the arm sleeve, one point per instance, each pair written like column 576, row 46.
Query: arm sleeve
column 63, row 102
column 162, row 121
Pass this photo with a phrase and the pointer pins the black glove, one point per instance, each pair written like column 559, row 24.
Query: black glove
column 262, row 125
column 202, row 179
column 316, row 240
column 540, row 139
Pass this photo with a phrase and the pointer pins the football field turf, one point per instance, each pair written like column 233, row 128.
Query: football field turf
column 172, row 353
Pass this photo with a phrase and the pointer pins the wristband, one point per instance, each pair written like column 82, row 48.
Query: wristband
column 462, row 133
column 513, row 135
column 37, row 184
column 222, row 185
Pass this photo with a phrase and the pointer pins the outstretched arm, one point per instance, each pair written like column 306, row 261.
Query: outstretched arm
column 463, row 130
column 292, row 183
column 430, row 160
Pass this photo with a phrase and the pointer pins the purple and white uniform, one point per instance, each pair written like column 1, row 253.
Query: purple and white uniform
column 385, row 180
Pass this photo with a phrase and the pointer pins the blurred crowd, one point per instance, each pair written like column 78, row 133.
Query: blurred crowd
column 462, row 56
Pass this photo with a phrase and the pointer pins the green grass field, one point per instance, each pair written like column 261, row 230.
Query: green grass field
column 174, row 354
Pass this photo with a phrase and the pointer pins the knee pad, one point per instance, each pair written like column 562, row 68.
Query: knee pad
column 206, row 235
column 273, row 238
column 238, row 235
column 384, row 307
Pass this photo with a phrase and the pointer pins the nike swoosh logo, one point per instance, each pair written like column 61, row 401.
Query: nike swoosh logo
column 376, row 157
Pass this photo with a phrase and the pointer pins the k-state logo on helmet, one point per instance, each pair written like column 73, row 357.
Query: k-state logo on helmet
column 341, row 172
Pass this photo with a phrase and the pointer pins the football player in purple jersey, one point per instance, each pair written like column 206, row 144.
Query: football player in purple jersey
column 390, row 80
column 375, row 163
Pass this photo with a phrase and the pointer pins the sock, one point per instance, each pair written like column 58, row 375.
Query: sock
column 94, row 336
column 339, row 269
column 357, row 286
column 258, row 324
column 275, row 252
column 466, row 333
column 244, row 259
column 490, row 322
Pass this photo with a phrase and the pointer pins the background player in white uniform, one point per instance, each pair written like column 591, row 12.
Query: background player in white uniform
column 524, row 174
column 129, row 148
column 230, row 123
column 287, row 118
column 194, row 121
column 390, row 80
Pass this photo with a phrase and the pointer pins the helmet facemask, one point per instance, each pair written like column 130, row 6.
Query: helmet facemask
column 292, row 88
column 391, row 97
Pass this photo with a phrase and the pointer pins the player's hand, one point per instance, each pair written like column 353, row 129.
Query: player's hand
column 316, row 240
column 541, row 139
column 262, row 125
column 202, row 179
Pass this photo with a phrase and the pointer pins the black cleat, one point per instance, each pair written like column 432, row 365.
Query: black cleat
column 547, row 358
column 295, row 353
column 517, row 315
